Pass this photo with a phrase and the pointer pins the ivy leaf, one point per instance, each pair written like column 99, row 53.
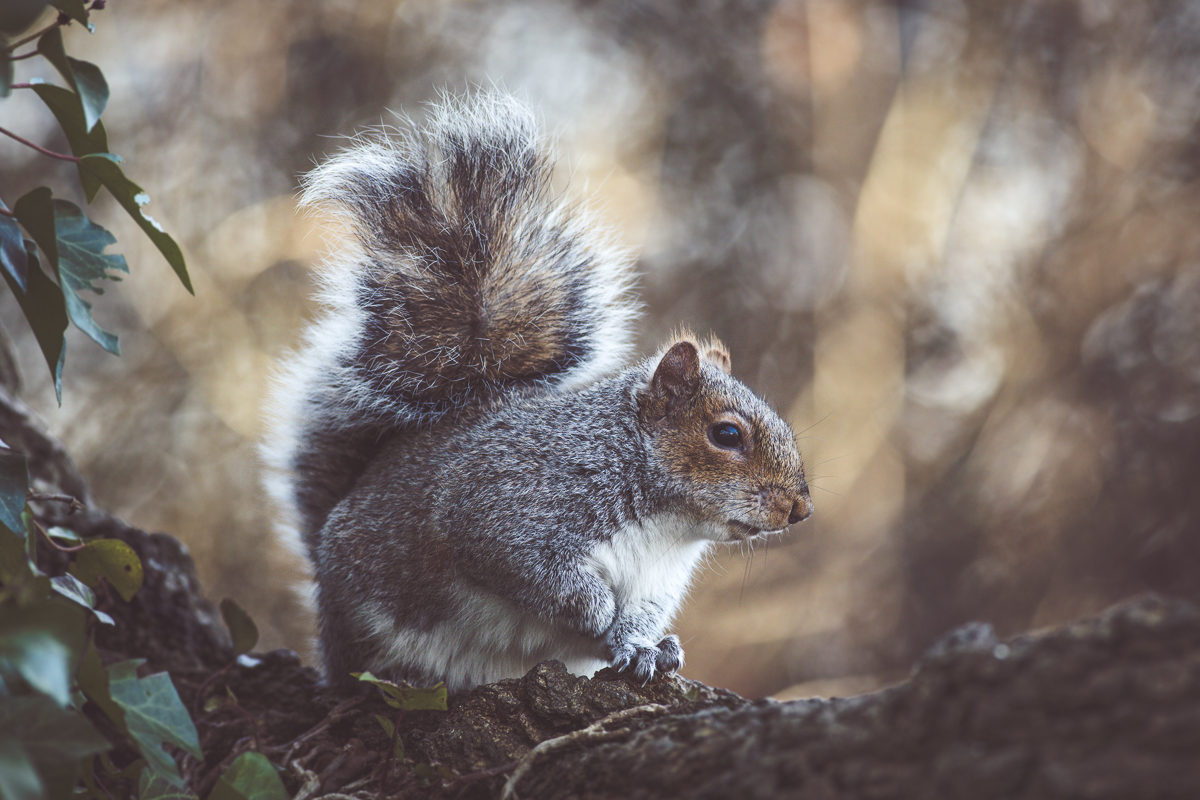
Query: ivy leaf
column 85, row 78
column 153, row 786
column 17, row 15
column 12, row 248
column 112, row 560
column 249, row 777
column 14, row 486
column 242, row 629
column 93, row 681
column 81, row 261
column 83, row 140
column 18, row 779
column 76, row 591
column 105, row 168
column 154, row 715
column 35, row 210
column 39, row 740
column 43, row 305
column 76, row 10
column 408, row 698
column 42, row 643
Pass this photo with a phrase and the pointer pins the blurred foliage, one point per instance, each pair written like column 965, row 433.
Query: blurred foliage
column 56, row 230
column 953, row 241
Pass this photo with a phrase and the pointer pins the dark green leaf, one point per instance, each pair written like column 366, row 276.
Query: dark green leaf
column 75, row 9
column 17, row 15
column 43, row 305
column 92, row 89
column 249, row 777
column 18, row 779
column 408, row 698
column 93, row 680
column 35, row 210
column 68, row 110
column 242, row 629
column 81, row 262
column 14, row 486
column 43, row 642
column 112, row 560
column 52, row 738
column 74, row 590
column 12, row 249
column 154, row 715
column 105, row 168
column 14, row 563
column 84, row 78
column 152, row 786
column 6, row 67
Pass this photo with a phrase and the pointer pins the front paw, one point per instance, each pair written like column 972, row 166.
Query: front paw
column 645, row 659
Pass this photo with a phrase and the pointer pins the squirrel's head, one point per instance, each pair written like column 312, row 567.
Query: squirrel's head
column 734, row 461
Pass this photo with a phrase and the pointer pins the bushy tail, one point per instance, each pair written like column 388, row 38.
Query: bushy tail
column 466, row 278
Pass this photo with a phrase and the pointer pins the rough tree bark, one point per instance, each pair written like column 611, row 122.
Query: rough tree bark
column 1105, row 708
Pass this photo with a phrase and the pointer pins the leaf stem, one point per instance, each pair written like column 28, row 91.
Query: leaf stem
column 39, row 148
column 30, row 54
column 33, row 36
column 5, row 212
column 60, row 548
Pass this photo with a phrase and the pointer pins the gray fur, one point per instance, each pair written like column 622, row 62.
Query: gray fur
column 476, row 489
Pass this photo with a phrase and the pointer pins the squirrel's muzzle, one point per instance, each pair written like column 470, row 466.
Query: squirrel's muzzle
column 802, row 509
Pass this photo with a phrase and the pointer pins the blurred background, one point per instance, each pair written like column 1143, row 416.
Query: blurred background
column 955, row 242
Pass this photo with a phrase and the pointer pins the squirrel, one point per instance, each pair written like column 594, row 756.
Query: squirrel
column 478, row 476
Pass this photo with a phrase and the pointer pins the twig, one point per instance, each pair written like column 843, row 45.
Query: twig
column 24, row 56
column 56, row 498
column 335, row 715
column 592, row 733
column 39, row 148
column 200, row 692
column 6, row 212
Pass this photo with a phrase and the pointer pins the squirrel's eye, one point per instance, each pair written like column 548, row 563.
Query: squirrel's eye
column 726, row 434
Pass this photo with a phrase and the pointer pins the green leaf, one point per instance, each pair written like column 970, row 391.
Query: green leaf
column 14, row 562
column 154, row 715
column 12, row 249
column 242, row 629
column 43, row 305
column 93, row 680
column 75, row 9
column 84, row 78
column 408, row 698
column 81, row 261
column 42, row 642
column 250, row 777
column 153, row 786
column 18, row 778
column 67, row 108
column 17, row 15
column 35, row 210
column 74, row 590
column 105, row 168
column 112, row 560
column 64, row 535
column 14, row 487
column 35, row 732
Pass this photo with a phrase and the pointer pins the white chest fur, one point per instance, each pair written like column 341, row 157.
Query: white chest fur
column 651, row 561
column 491, row 638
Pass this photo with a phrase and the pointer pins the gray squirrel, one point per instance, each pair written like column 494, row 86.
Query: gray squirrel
column 478, row 478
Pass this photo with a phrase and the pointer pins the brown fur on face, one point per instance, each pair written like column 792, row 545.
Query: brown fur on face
column 757, row 485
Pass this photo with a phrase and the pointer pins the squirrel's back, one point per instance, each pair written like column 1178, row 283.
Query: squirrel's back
column 464, row 279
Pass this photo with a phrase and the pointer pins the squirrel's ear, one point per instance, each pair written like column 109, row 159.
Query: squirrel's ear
column 675, row 380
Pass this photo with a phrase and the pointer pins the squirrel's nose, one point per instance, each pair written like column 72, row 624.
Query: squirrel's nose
column 801, row 509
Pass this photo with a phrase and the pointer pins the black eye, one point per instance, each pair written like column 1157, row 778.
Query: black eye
column 726, row 434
